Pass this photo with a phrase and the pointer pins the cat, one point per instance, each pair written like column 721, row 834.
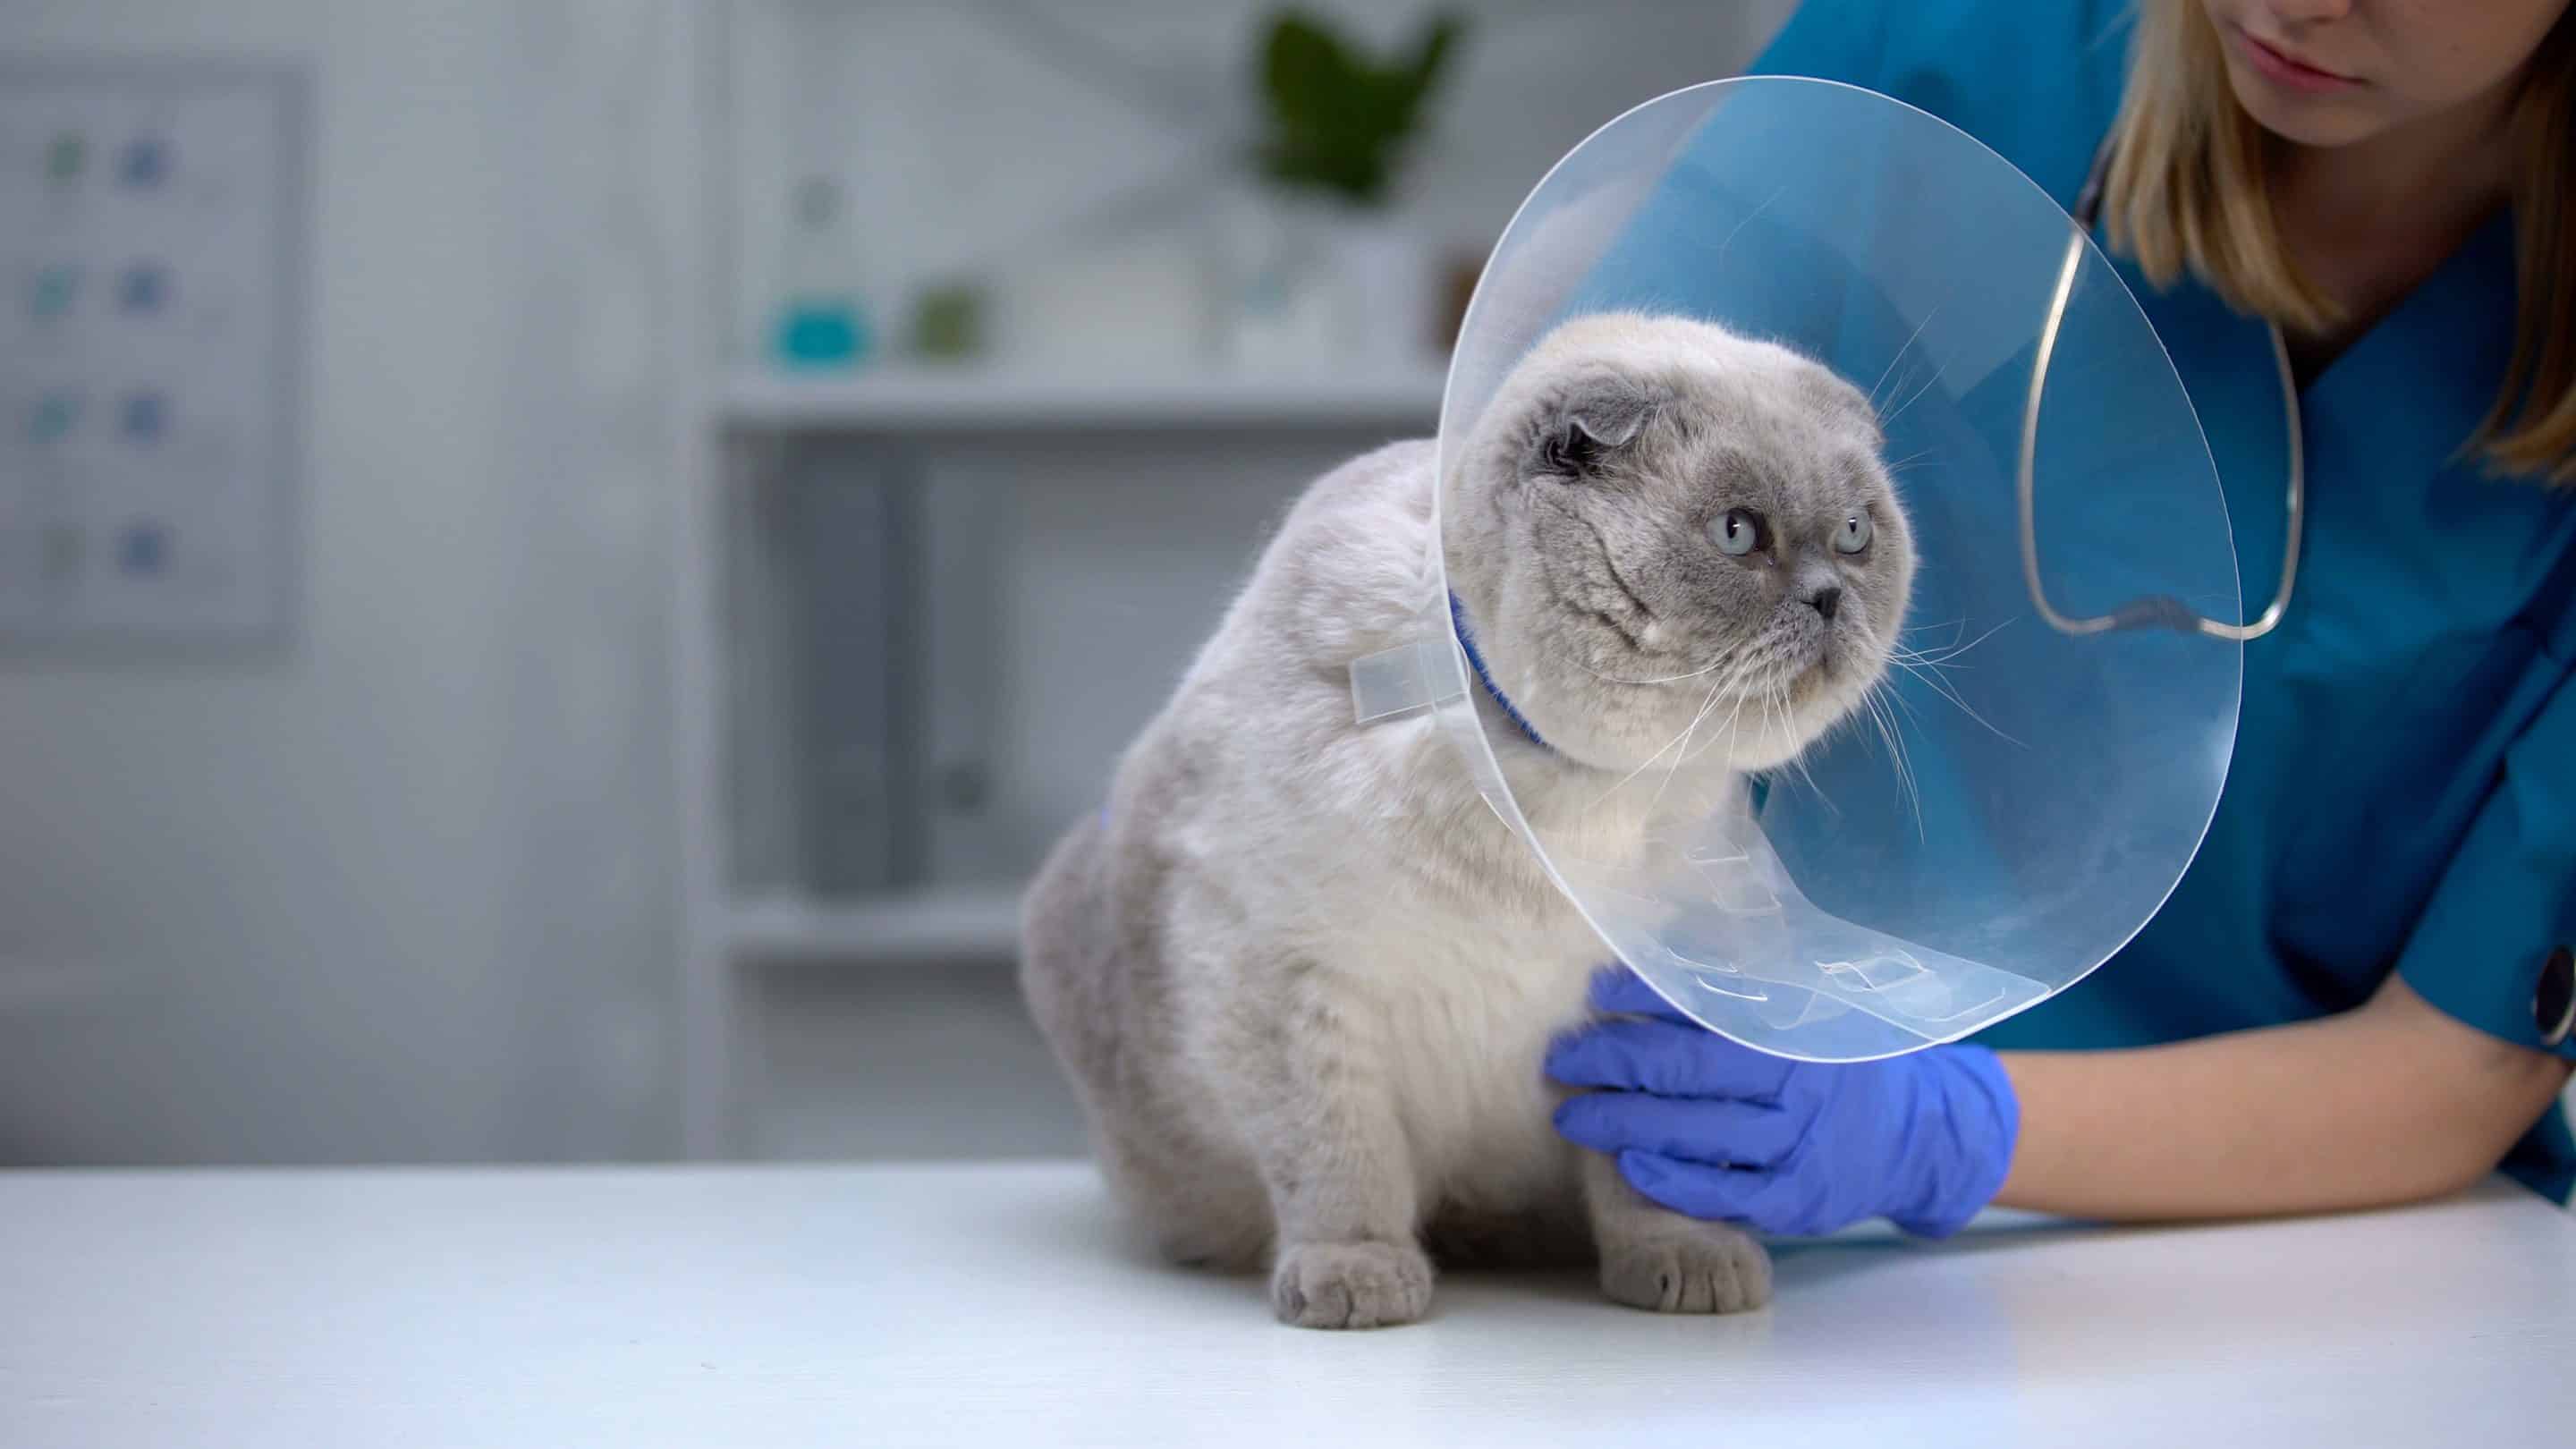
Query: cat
column 1300, row 975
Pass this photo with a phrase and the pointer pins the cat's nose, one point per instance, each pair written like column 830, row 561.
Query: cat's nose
column 1827, row 599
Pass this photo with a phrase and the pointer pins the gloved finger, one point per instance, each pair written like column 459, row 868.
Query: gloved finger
column 1694, row 1189
column 1666, row 1059
column 1718, row 1133
column 1771, row 1202
column 1618, row 991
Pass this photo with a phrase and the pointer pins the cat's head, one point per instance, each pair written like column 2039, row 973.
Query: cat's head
column 1673, row 540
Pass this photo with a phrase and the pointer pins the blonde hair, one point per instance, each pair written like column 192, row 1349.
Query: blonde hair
column 2188, row 191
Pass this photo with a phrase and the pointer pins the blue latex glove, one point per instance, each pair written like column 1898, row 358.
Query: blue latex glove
column 1716, row 1130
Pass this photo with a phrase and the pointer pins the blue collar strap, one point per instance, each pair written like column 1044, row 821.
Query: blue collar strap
column 1476, row 662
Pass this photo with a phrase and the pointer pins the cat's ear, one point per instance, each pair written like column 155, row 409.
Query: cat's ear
column 1589, row 430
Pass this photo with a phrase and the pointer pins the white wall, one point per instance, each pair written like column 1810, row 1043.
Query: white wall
column 1070, row 157
column 408, row 890
column 405, row 891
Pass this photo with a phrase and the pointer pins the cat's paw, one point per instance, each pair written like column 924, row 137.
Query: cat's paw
column 1350, row 1285
column 1701, row 1269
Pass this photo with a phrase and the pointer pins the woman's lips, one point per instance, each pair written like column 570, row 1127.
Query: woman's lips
column 2283, row 69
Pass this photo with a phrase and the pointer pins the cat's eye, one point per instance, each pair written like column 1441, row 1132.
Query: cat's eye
column 1740, row 532
column 1854, row 535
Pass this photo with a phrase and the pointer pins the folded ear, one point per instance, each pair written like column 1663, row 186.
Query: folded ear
column 1589, row 429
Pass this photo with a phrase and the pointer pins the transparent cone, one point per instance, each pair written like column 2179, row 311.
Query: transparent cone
column 2029, row 796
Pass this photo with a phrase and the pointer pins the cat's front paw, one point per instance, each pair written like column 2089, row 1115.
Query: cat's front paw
column 1703, row 1268
column 1350, row 1285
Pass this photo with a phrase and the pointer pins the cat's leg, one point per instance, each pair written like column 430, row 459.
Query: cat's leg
column 1202, row 1205
column 1654, row 1258
column 1321, row 1121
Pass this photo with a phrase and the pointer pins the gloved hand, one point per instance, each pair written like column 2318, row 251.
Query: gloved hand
column 1716, row 1130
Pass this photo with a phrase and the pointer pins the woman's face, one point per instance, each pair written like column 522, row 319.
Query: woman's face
column 2332, row 72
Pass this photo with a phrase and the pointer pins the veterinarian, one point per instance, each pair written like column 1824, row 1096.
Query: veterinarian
column 2361, row 993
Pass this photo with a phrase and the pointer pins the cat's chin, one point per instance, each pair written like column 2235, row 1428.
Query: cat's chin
column 1633, row 728
column 1834, row 684
column 1827, row 689
column 1808, row 708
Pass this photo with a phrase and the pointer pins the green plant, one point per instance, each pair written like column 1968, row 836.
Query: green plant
column 1338, row 119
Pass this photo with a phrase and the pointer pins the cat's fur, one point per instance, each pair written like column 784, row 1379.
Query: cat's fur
column 1300, row 974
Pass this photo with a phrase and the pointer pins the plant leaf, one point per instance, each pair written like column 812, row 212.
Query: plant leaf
column 1302, row 65
column 1439, row 41
column 1338, row 119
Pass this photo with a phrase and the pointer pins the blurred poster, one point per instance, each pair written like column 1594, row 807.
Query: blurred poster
column 152, row 226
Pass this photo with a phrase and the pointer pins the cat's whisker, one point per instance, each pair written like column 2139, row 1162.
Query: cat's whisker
column 1875, row 702
column 1936, row 659
column 1718, row 740
column 1902, row 702
column 1799, row 759
column 1763, row 731
column 1938, row 662
column 1787, row 717
column 1668, row 679
column 1904, row 782
column 1682, row 755
column 1942, row 688
column 1917, row 396
column 1899, row 355
column 1958, row 628
column 1734, row 717
column 1724, row 739
column 1883, row 701
column 1748, row 221
column 1627, row 779
column 1945, row 653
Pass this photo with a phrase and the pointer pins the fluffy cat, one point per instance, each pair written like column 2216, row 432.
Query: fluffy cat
column 1302, row 977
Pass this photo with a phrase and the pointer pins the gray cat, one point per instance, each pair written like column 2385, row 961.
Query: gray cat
column 1302, row 977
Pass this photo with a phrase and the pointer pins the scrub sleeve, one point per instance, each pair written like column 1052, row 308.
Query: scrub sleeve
column 2496, row 946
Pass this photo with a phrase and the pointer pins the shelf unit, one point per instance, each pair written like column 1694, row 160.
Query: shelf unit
column 751, row 424
column 914, row 400
column 935, row 924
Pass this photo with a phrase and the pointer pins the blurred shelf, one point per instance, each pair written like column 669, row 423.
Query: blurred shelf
column 977, row 923
column 966, row 399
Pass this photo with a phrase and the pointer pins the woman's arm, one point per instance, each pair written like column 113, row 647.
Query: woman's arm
column 2390, row 1102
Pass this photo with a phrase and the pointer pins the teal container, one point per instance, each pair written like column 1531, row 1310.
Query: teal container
column 822, row 332
column 821, row 322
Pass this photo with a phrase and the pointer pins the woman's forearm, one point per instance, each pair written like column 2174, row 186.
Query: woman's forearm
column 2391, row 1102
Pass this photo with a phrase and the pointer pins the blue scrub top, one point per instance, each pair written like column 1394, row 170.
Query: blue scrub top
column 2403, row 795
